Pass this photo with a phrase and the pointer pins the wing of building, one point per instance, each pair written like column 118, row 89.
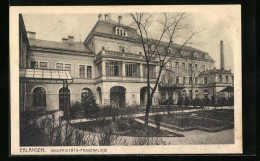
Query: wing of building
column 110, row 64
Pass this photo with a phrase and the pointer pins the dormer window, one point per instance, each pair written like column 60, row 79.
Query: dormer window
column 121, row 31
column 121, row 49
column 152, row 47
column 169, row 50
column 206, row 56
column 195, row 54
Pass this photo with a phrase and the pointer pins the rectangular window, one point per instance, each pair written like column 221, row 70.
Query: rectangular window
column 99, row 69
column 203, row 68
column 43, row 65
column 170, row 65
column 195, row 67
column 131, row 70
column 190, row 80
column 196, row 80
column 89, row 71
column 117, row 31
column 68, row 67
column 227, row 79
column 121, row 49
column 176, row 65
column 114, row 68
column 34, row 64
column 205, row 80
column 82, row 71
column 220, row 78
column 152, row 72
column 59, row 66
column 190, row 67
column 184, row 80
column 183, row 66
column 177, row 79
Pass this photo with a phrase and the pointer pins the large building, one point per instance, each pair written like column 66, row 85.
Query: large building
column 109, row 64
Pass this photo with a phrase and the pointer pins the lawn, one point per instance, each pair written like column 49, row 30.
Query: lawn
column 220, row 114
column 191, row 122
column 124, row 127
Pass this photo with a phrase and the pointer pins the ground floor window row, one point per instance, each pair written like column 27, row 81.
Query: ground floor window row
column 116, row 96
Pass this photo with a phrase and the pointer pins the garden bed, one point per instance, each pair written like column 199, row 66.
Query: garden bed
column 124, row 127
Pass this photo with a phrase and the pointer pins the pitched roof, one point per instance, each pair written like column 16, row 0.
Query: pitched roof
column 106, row 28
column 228, row 89
column 66, row 46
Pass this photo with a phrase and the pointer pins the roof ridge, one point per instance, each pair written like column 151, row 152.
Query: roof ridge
column 55, row 41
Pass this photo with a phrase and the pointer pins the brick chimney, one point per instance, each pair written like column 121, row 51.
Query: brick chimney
column 100, row 17
column 119, row 20
column 31, row 35
column 222, row 63
column 65, row 40
column 71, row 39
column 107, row 16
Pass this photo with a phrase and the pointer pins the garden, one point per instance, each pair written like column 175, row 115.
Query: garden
column 205, row 120
column 119, row 126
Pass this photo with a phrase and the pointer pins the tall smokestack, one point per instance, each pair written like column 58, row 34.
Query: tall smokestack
column 222, row 64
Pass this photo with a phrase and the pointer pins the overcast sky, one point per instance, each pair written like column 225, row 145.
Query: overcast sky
column 56, row 26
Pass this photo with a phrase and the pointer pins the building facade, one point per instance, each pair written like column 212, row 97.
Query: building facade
column 109, row 64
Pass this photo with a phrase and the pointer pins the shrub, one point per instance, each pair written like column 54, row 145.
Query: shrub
column 79, row 137
column 124, row 123
column 148, row 141
column 196, row 102
column 213, row 100
column 89, row 105
column 75, row 108
column 186, row 102
column 158, row 119
column 230, row 101
column 206, row 101
column 106, row 136
column 180, row 101
column 68, row 140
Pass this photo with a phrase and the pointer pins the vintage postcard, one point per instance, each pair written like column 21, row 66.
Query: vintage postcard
column 97, row 80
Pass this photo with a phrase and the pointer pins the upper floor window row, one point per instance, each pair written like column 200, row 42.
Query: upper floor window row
column 121, row 31
column 45, row 65
column 39, row 64
column 63, row 66
column 83, row 73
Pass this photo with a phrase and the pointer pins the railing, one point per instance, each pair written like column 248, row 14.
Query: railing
column 121, row 54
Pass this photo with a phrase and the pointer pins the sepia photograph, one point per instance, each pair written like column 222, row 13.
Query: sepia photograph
column 135, row 80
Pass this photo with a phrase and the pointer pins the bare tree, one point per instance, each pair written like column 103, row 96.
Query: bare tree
column 172, row 27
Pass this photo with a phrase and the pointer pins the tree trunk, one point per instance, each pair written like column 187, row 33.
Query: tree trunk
column 147, row 111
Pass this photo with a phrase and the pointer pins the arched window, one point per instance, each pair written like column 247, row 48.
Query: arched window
column 196, row 93
column 184, row 93
column 206, row 56
column 190, row 94
column 206, row 93
column 39, row 97
column 64, row 98
column 195, row 54
column 85, row 93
